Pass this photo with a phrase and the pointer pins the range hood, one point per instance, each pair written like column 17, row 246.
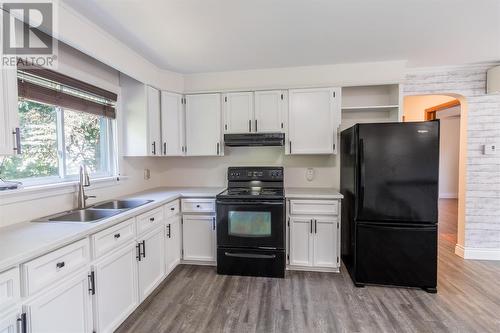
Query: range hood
column 254, row 139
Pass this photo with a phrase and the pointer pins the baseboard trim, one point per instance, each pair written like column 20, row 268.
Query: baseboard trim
column 312, row 269
column 477, row 253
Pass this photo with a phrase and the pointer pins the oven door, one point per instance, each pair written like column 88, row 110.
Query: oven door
column 250, row 224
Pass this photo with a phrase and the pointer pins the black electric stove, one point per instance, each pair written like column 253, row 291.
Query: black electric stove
column 251, row 223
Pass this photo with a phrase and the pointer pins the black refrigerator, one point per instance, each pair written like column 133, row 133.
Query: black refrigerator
column 389, row 179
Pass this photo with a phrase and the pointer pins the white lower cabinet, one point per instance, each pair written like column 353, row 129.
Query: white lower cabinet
column 301, row 241
column 325, row 242
column 65, row 307
column 172, row 243
column 116, row 294
column 152, row 261
column 9, row 321
column 199, row 238
column 314, row 237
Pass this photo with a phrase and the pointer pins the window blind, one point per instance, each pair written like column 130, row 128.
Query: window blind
column 50, row 87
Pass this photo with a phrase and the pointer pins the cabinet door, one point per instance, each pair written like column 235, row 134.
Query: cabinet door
column 238, row 112
column 152, row 263
column 154, row 138
column 325, row 242
column 270, row 111
column 65, row 307
column 116, row 294
column 173, row 243
column 9, row 119
column 172, row 124
column 198, row 233
column 313, row 121
column 301, row 241
column 203, row 119
column 8, row 322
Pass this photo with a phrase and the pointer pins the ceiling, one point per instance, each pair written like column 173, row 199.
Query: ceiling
column 192, row 36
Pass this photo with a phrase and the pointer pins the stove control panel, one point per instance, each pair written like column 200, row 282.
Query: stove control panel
column 255, row 173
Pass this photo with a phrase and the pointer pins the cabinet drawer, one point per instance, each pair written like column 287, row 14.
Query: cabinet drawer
column 172, row 208
column 314, row 207
column 51, row 267
column 198, row 205
column 149, row 220
column 111, row 238
column 10, row 291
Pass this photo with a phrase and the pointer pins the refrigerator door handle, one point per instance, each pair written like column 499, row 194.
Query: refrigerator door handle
column 361, row 172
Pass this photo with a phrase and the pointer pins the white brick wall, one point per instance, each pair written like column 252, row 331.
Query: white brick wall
column 482, row 198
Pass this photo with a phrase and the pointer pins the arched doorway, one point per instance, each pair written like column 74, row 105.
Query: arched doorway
column 451, row 109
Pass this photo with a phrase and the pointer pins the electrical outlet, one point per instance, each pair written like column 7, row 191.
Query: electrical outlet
column 147, row 174
column 490, row 149
column 310, row 174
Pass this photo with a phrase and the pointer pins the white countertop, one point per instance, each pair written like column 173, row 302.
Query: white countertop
column 27, row 240
column 24, row 241
column 312, row 193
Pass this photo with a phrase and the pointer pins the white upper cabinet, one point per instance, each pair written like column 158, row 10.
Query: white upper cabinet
column 9, row 121
column 172, row 124
column 238, row 112
column 314, row 118
column 203, row 120
column 141, row 118
column 270, row 111
column 154, row 130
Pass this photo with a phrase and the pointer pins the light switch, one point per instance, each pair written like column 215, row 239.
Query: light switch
column 490, row 149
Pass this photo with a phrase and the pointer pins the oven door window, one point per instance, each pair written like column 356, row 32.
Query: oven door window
column 249, row 224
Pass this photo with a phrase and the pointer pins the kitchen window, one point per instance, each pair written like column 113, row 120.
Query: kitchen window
column 63, row 123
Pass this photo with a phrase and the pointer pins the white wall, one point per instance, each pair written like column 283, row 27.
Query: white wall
column 448, row 156
column 212, row 171
column 298, row 77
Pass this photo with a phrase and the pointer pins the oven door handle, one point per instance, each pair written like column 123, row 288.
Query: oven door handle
column 269, row 203
column 250, row 255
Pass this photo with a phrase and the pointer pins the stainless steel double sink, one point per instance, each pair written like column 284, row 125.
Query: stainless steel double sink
column 96, row 212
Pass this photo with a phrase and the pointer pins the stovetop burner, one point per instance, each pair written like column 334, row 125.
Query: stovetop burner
column 254, row 183
column 256, row 192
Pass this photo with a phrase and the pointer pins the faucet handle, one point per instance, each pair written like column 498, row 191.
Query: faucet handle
column 90, row 196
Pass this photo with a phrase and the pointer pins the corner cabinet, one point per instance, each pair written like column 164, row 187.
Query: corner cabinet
column 203, row 125
column 314, row 235
column 141, row 118
column 313, row 121
column 9, row 120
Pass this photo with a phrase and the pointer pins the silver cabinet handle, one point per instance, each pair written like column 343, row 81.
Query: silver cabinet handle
column 218, row 148
column 249, row 125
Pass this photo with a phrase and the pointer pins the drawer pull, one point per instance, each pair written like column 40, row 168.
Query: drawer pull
column 60, row 264
column 172, row 208
column 117, row 236
column 197, row 206
column 152, row 219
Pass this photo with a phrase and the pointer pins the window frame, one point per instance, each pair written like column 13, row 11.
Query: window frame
column 108, row 147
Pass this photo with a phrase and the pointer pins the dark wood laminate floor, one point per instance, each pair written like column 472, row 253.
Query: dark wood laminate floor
column 195, row 299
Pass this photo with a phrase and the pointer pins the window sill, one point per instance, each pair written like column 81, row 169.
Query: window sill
column 48, row 190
